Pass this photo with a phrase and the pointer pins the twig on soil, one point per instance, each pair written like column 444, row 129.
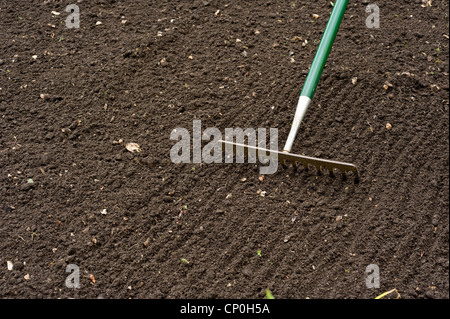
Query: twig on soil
column 387, row 293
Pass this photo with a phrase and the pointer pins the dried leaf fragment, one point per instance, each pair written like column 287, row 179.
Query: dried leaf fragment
column 133, row 147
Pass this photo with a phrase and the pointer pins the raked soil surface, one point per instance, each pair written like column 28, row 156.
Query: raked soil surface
column 71, row 194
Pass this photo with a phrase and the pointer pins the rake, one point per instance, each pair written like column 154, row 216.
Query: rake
column 307, row 93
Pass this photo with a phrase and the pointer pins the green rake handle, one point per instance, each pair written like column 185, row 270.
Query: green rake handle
column 310, row 85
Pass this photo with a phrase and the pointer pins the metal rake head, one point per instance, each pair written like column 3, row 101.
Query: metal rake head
column 284, row 158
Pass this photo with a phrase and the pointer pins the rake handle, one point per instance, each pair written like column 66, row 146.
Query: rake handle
column 326, row 43
column 312, row 80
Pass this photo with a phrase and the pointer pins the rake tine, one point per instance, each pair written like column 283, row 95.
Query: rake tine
column 291, row 162
column 331, row 173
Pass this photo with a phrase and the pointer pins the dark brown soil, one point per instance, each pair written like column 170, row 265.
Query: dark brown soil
column 315, row 235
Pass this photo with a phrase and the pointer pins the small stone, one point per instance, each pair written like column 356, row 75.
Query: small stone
column 147, row 242
column 435, row 220
column 429, row 294
column 388, row 126
column 315, row 16
column 354, row 80
column 66, row 130
column 229, row 196
column 387, row 85
column 104, row 212
column 338, row 218
column 26, row 187
column 10, row 265
column 243, row 179
column 117, row 142
column 98, row 23
column 27, row 277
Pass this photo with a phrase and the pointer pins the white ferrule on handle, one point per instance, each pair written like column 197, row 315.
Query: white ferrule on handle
column 302, row 106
